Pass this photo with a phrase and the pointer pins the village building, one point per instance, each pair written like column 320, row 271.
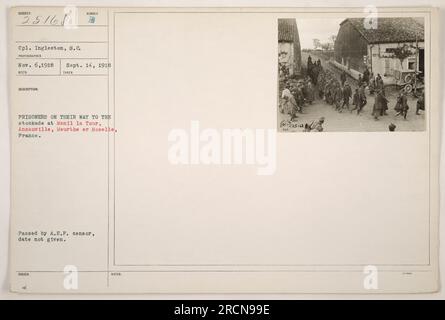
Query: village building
column 393, row 47
column 289, row 50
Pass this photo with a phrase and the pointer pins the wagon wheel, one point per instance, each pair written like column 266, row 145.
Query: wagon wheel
column 408, row 88
column 408, row 78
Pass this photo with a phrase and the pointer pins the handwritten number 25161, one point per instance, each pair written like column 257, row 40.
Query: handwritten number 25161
column 52, row 20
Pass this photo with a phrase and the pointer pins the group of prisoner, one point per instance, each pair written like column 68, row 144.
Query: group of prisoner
column 324, row 83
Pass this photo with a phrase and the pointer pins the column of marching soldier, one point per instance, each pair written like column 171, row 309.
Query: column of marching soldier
column 338, row 93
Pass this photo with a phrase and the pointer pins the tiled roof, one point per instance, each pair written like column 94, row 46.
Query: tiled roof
column 390, row 29
column 287, row 29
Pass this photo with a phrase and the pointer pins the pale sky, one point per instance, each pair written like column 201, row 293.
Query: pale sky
column 321, row 29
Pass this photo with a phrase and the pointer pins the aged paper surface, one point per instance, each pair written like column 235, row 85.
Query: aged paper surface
column 195, row 150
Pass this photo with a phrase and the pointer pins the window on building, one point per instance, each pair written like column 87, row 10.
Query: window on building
column 412, row 64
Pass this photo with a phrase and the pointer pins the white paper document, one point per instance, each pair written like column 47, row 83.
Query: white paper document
column 224, row 150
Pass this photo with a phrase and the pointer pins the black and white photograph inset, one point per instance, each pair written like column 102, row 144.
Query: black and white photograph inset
column 351, row 75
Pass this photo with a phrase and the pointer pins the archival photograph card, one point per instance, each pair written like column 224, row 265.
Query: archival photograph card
column 224, row 150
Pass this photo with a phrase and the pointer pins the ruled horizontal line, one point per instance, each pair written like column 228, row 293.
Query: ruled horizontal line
column 271, row 265
column 54, row 41
column 38, row 58
column 61, row 75
column 67, row 27
column 217, row 271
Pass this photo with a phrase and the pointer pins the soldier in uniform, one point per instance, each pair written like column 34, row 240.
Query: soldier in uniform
column 372, row 84
column 360, row 80
column 289, row 104
column 331, row 92
column 343, row 77
column 379, row 85
column 327, row 91
column 338, row 97
column 314, row 126
column 402, row 104
column 420, row 103
column 321, row 84
column 286, row 91
column 309, row 65
column 366, row 76
column 299, row 96
column 319, row 125
column 379, row 105
column 310, row 92
column 355, row 100
column 362, row 99
column 347, row 93
column 392, row 127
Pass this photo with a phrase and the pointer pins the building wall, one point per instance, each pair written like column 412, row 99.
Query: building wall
column 286, row 55
column 350, row 47
column 353, row 51
column 297, row 51
column 382, row 62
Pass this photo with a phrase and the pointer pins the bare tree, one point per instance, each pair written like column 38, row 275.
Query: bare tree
column 325, row 46
column 332, row 38
column 317, row 43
